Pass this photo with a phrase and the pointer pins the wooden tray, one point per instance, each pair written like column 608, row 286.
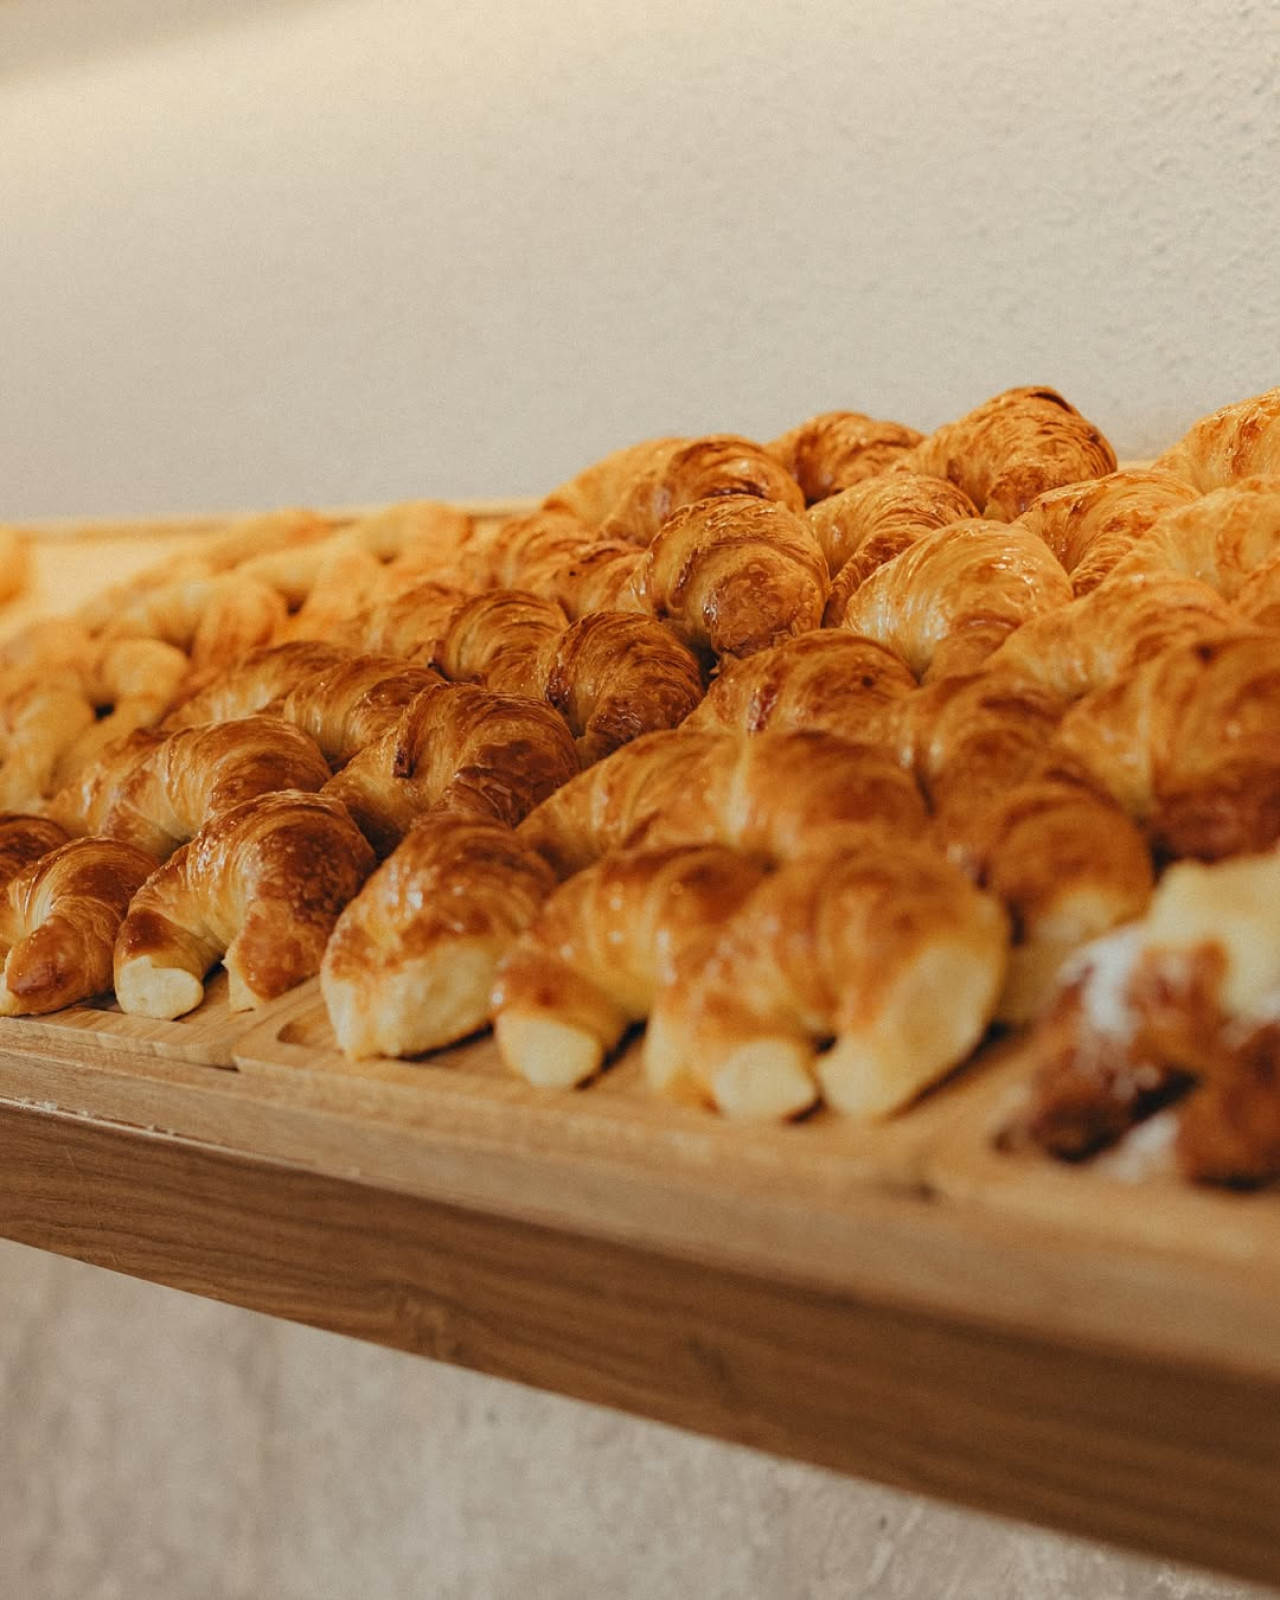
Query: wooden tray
column 907, row 1303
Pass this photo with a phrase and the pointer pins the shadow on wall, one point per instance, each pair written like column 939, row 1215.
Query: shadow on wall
column 39, row 35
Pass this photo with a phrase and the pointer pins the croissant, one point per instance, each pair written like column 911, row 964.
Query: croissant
column 411, row 961
column 1107, row 634
column 837, row 449
column 1236, row 442
column 1219, row 538
column 895, row 954
column 58, row 922
column 413, row 535
column 214, row 620
column 1090, row 526
column 1067, row 864
column 593, row 492
column 597, row 950
column 253, row 684
column 951, row 598
column 776, row 795
column 460, row 748
column 491, row 638
column 350, row 705
column 156, row 790
column 1013, row 448
column 552, row 554
column 348, row 580
column 38, row 725
column 15, row 563
column 23, row 840
column 700, row 469
column 259, row 886
column 731, row 575
column 830, row 680
column 862, row 528
column 1187, row 745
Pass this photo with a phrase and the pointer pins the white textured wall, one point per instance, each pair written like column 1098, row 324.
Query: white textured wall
column 328, row 250
column 339, row 250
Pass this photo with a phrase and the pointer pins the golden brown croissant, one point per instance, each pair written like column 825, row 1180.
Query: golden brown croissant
column 1090, row 526
column 411, row 961
column 1227, row 445
column 837, row 449
column 775, row 795
column 1187, row 744
column 416, row 535
column 700, row 469
column 260, row 886
column 866, row 526
column 1220, row 537
column 894, row 953
column 38, row 725
column 732, row 575
column 592, row 493
column 214, row 620
column 1014, row 447
column 955, row 594
column 592, row 960
column 1107, row 634
column 832, row 681
column 253, row 684
column 456, row 748
column 24, row 839
column 552, row 554
column 1068, row 864
column 156, row 790
column 348, row 706
column 58, row 923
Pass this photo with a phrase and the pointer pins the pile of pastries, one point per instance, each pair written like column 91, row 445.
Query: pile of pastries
column 822, row 758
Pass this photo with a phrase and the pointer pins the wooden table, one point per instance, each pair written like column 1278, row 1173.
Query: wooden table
column 1084, row 1349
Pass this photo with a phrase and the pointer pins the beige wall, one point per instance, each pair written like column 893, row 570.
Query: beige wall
column 336, row 251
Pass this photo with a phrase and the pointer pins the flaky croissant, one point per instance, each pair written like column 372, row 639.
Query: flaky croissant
column 1012, row 448
column 411, row 961
column 954, row 595
column 700, row 469
column 253, row 684
column 1219, row 538
column 591, row 494
column 213, row 620
column 1187, row 744
column 776, row 795
column 894, row 953
column 350, row 705
column 24, row 839
column 1091, row 526
column 156, row 790
column 456, row 747
column 832, row 681
column 868, row 525
column 597, row 950
column 58, row 923
column 731, row 575
column 552, row 554
column 1235, row 442
column 837, row 449
column 260, row 887
column 1107, row 634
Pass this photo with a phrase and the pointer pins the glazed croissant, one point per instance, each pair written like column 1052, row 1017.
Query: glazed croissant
column 776, row 795
column 58, row 922
column 253, row 684
column 24, row 839
column 215, row 621
column 837, row 449
column 1219, row 538
column 1013, row 448
column 1236, row 442
column 591, row 494
column 831, row 681
column 459, row 748
column 552, row 554
column 895, row 954
column 156, row 790
column 1107, row 634
column 349, row 706
column 1091, row 526
column 954, row 595
column 1187, row 744
column 411, row 961
column 418, row 535
column 260, row 886
column 866, row 526
column 599, row 948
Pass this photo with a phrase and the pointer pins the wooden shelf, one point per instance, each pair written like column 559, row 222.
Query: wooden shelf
column 903, row 1303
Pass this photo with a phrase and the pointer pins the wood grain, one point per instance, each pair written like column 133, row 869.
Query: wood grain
column 1174, row 1459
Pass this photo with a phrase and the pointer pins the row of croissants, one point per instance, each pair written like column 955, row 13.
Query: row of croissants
column 820, row 757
